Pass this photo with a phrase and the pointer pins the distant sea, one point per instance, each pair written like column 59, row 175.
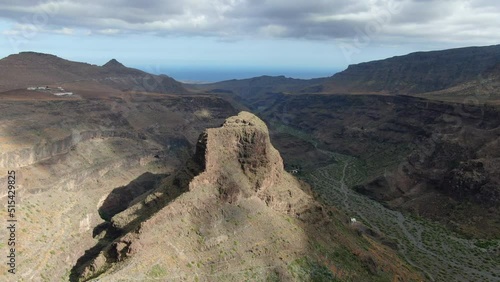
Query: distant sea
column 208, row 75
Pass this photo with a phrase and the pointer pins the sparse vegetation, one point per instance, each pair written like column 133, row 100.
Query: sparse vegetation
column 306, row 269
column 426, row 245
column 157, row 271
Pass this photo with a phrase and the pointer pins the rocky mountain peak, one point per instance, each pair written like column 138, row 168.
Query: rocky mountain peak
column 113, row 63
column 233, row 165
column 239, row 157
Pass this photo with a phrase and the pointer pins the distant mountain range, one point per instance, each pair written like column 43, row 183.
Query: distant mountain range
column 33, row 69
column 454, row 72
column 444, row 75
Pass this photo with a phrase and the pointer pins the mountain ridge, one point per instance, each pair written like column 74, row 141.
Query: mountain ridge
column 27, row 69
column 447, row 75
column 417, row 72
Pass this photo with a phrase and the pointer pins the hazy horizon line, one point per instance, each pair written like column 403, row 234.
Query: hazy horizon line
column 209, row 74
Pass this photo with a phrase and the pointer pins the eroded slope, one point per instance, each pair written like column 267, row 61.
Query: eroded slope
column 233, row 213
column 70, row 154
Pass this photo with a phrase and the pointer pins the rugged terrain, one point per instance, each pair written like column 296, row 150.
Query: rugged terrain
column 464, row 75
column 409, row 149
column 103, row 177
column 429, row 156
column 69, row 154
column 234, row 213
column 419, row 72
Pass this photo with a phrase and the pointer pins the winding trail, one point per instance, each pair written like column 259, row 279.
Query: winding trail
column 344, row 188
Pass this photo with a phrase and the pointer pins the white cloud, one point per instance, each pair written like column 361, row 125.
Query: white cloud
column 109, row 31
column 11, row 32
column 65, row 31
column 274, row 30
column 394, row 20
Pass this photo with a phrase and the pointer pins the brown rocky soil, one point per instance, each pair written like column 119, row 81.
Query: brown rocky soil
column 233, row 213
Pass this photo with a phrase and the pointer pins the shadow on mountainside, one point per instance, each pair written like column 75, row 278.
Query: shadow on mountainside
column 120, row 198
column 147, row 194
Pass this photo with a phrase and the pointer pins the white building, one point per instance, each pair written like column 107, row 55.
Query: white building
column 64, row 94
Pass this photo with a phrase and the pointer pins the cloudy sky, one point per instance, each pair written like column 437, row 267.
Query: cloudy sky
column 316, row 35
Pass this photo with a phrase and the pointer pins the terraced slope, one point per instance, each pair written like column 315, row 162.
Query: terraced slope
column 439, row 253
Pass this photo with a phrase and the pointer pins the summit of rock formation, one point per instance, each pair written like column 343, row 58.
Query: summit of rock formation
column 239, row 157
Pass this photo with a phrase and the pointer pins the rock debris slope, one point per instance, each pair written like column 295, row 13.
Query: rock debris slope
column 231, row 213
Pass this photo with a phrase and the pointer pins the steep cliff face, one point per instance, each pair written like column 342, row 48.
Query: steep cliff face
column 483, row 89
column 240, row 158
column 232, row 212
column 47, row 149
column 415, row 73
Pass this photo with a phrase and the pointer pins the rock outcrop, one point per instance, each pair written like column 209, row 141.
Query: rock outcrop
column 239, row 157
column 233, row 163
column 232, row 206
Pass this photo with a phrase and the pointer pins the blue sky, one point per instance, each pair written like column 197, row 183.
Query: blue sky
column 321, row 36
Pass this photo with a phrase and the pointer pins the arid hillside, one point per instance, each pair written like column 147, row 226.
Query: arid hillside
column 484, row 89
column 233, row 213
column 70, row 154
column 30, row 69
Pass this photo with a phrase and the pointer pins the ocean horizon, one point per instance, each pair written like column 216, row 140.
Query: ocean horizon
column 211, row 74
